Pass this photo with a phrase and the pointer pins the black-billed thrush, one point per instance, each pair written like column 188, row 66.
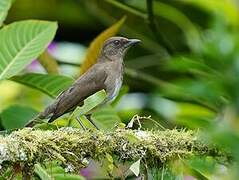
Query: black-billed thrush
column 106, row 74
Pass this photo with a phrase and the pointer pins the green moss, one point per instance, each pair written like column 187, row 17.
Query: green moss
column 73, row 147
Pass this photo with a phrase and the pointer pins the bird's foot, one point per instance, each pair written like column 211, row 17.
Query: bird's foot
column 81, row 123
column 88, row 116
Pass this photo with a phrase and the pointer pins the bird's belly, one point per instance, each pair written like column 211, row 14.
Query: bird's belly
column 115, row 91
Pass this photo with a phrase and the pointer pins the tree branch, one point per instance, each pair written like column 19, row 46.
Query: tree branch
column 75, row 147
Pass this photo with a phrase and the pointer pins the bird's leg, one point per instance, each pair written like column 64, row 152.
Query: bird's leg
column 88, row 116
column 81, row 124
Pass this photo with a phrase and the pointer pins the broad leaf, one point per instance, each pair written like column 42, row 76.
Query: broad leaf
column 16, row 116
column 52, row 85
column 4, row 7
column 21, row 42
column 95, row 47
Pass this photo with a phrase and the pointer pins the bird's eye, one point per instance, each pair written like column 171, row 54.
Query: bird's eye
column 116, row 42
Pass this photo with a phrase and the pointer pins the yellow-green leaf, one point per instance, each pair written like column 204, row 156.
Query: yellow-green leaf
column 95, row 46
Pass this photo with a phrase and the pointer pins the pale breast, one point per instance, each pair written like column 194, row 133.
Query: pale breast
column 118, row 84
column 114, row 81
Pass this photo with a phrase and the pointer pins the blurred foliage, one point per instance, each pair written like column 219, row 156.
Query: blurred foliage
column 184, row 74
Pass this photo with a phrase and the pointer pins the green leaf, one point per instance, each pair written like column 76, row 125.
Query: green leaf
column 106, row 118
column 16, row 116
column 21, row 42
column 41, row 172
column 4, row 7
column 135, row 167
column 52, row 85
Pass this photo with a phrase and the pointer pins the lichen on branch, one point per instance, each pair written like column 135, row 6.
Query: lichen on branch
column 74, row 147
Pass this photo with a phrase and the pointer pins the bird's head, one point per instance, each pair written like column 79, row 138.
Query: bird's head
column 115, row 48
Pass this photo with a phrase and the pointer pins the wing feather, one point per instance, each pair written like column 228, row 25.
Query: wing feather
column 88, row 84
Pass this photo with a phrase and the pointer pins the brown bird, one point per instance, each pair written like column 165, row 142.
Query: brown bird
column 106, row 74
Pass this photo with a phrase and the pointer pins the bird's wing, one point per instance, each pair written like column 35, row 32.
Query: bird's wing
column 88, row 84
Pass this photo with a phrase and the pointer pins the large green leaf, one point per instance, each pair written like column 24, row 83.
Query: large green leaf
column 52, row 85
column 16, row 116
column 4, row 7
column 21, row 42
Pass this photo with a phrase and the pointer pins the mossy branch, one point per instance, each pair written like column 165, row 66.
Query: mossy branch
column 75, row 147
